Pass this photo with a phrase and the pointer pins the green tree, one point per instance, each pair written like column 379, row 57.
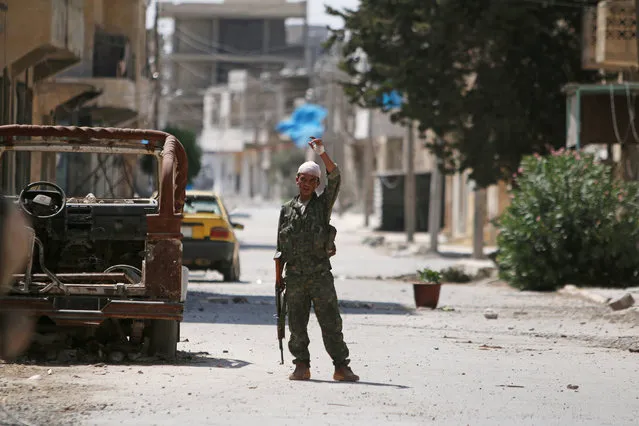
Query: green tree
column 488, row 73
column 188, row 139
column 570, row 221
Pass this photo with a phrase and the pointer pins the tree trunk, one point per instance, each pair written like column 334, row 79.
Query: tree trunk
column 478, row 223
column 435, row 209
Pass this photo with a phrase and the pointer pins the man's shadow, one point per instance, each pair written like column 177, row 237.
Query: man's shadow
column 358, row 383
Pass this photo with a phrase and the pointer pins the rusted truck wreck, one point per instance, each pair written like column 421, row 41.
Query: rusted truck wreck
column 136, row 281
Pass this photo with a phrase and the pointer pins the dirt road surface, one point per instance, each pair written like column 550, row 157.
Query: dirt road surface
column 547, row 360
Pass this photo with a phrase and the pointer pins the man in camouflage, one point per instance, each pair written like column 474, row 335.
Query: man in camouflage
column 305, row 241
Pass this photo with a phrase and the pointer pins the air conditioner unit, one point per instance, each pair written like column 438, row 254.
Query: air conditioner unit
column 616, row 34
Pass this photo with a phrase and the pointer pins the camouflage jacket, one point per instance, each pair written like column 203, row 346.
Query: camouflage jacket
column 305, row 238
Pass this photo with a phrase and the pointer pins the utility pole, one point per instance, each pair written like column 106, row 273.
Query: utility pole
column 409, row 184
column 368, row 170
column 435, row 204
column 156, row 74
column 478, row 223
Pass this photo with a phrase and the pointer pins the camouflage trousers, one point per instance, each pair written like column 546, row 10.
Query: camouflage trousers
column 319, row 290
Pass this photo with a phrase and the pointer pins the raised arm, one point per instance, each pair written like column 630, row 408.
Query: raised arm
column 331, row 191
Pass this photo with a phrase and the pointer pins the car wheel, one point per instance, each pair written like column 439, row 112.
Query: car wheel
column 164, row 338
column 232, row 272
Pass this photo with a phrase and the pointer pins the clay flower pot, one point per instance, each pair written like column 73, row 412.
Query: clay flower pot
column 426, row 294
column 427, row 289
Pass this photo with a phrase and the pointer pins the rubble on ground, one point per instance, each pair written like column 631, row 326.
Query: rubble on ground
column 623, row 302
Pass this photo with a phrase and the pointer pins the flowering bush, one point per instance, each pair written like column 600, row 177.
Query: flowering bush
column 570, row 221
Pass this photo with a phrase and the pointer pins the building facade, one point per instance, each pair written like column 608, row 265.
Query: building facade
column 210, row 40
column 73, row 62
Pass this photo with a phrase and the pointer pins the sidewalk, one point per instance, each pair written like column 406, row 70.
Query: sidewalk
column 353, row 224
column 604, row 296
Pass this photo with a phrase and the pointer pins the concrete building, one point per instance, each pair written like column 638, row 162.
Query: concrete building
column 41, row 38
column 74, row 62
column 224, row 134
column 239, row 135
column 210, row 40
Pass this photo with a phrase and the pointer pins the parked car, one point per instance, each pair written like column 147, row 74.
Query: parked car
column 99, row 261
column 209, row 238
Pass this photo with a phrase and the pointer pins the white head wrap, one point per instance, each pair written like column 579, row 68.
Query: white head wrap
column 310, row 168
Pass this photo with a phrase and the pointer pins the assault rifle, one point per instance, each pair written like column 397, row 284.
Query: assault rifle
column 280, row 303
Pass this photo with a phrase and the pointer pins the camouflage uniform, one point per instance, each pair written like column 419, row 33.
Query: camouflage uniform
column 304, row 242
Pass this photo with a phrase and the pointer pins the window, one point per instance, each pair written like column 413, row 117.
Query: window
column 202, row 205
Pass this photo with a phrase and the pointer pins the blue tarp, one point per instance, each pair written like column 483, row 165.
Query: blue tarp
column 306, row 121
column 391, row 100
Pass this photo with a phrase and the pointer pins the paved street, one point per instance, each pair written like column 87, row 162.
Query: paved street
column 547, row 360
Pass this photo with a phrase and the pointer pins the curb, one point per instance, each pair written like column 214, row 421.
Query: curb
column 573, row 290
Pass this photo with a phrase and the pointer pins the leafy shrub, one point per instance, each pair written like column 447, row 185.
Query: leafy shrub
column 570, row 221
column 455, row 275
column 429, row 276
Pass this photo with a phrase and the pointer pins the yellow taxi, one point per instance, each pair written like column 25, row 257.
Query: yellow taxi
column 209, row 239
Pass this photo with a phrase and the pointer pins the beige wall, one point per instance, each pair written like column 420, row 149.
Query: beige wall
column 37, row 29
column 23, row 18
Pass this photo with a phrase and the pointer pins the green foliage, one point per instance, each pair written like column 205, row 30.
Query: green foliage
column 188, row 139
column 455, row 275
column 489, row 73
column 429, row 276
column 570, row 221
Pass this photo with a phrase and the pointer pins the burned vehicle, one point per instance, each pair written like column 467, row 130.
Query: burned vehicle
column 103, row 265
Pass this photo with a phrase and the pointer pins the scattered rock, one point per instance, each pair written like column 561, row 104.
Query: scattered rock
column 634, row 349
column 490, row 314
column 623, row 302
column 49, row 371
column 573, row 387
column 35, row 377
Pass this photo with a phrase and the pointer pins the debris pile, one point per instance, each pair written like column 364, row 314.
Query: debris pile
column 107, row 343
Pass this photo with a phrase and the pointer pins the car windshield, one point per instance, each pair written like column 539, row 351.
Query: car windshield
column 86, row 175
column 202, row 205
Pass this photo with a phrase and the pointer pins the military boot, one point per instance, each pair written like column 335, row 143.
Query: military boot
column 345, row 374
column 302, row 372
